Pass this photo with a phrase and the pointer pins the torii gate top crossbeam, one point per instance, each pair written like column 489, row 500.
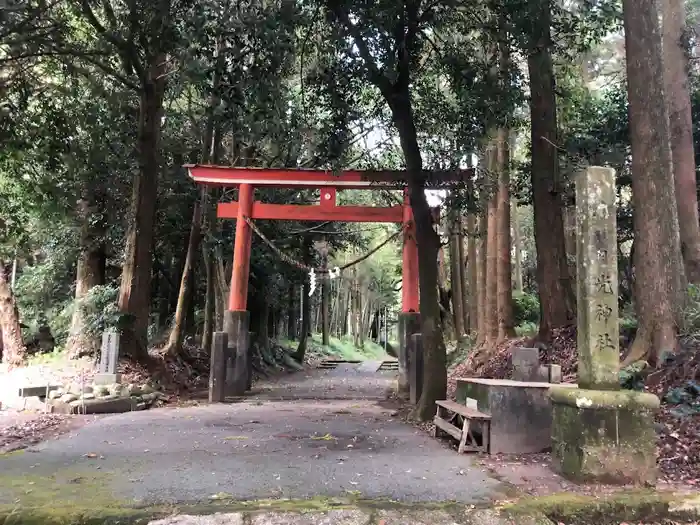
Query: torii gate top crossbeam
column 305, row 178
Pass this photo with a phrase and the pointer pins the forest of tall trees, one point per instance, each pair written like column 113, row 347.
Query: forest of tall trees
column 103, row 102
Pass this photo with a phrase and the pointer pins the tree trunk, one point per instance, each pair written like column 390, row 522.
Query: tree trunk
column 556, row 293
column 13, row 349
column 90, row 272
column 481, row 270
column 518, row 248
column 675, row 61
column 305, row 323
column 325, row 310
column 658, row 262
column 263, row 335
column 456, row 277
column 209, row 301
column 177, row 333
column 503, row 277
column 434, row 356
column 291, row 315
column 492, row 256
column 462, row 261
column 134, row 294
column 472, row 266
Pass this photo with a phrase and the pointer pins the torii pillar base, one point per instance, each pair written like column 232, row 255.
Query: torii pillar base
column 409, row 324
column 238, row 362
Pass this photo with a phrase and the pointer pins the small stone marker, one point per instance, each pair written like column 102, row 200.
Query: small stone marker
column 415, row 368
column 526, row 364
column 600, row 432
column 555, row 374
column 217, row 373
column 109, row 358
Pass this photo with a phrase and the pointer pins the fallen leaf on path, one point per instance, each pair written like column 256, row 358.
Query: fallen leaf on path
column 325, row 437
column 234, row 438
column 221, row 495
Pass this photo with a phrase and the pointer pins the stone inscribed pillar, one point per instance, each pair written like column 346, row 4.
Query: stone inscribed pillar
column 596, row 280
column 599, row 432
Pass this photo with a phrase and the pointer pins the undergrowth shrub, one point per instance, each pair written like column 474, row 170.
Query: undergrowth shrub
column 526, row 328
column 100, row 309
column 690, row 327
column 526, row 308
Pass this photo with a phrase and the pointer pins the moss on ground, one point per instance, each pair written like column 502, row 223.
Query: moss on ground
column 635, row 506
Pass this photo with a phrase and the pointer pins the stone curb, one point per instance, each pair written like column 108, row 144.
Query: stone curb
column 639, row 506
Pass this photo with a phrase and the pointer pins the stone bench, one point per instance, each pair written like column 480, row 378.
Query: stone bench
column 40, row 391
column 521, row 412
column 459, row 421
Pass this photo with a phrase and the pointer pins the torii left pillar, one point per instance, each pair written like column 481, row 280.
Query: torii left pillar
column 409, row 318
column 237, row 318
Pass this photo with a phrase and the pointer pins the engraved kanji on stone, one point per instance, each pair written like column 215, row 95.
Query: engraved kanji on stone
column 605, row 342
column 603, row 283
column 603, row 312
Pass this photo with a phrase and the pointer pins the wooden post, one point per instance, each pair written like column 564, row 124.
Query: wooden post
column 241, row 251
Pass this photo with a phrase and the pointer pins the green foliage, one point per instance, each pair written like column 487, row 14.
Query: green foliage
column 690, row 326
column 45, row 288
column 340, row 348
column 686, row 399
column 628, row 324
column 526, row 308
column 100, row 310
column 632, row 377
column 527, row 328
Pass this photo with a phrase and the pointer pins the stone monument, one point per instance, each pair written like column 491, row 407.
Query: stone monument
column 109, row 358
column 599, row 432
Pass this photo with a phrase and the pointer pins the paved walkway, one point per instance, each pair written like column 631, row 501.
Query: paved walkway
column 317, row 433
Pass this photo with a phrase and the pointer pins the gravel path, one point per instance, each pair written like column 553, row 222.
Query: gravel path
column 309, row 434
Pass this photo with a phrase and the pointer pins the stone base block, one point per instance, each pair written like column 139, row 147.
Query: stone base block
column 604, row 436
column 415, row 368
column 238, row 359
column 37, row 391
column 106, row 379
column 409, row 324
column 96, row 406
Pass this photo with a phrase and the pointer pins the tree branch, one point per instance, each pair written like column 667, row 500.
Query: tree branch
column 127, row 47
column 376, row 76
column 105, row 68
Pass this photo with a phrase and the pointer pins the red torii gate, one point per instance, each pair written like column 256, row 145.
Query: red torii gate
column 247, row 179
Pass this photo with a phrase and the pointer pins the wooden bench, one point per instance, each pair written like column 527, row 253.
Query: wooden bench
column 459, row 421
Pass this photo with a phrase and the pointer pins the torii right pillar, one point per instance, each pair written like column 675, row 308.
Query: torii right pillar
column 409, row 319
